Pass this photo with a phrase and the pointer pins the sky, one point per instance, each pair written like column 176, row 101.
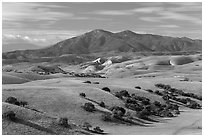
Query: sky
column 46, row 23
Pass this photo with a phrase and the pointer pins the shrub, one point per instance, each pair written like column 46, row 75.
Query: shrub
column 145, row 102
column 102, row 104
column 138, row 87
column 124, row 93
column 87, row 125
column 193, row 105
column 165, row 97
column 98, row 129
column 107, row 117
column 177, row 112
column 95, row 82
column 9, row 115
column 82, row 95
column 118, row 111
column 158, row 93
column 89, row 107
column 12, row 100
column 106, row 89
column 118, row 95
column 169, row 114
column 23, row 103
column 135, row 107
column 149, row 90
column 131, row 100
column 157, row 103
column 89, row 82
column 63, row 121
column 143, row 114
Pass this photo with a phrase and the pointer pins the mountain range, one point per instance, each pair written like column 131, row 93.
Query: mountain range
column 98, row 41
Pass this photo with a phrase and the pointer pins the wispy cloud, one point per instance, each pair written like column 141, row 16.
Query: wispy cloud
column 113, row 12
column 40, row 37
column 168, row 26
column 30, row 11
column 148, row 9
column 159, row 14
column 179, row 16
column 151, row 19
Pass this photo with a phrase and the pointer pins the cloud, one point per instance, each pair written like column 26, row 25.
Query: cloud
column 179, row 16
column 40, row 37
column 168, row 26
column 114, row 12
column 162, row 12
column 151, row 19
column 30, row 11
column 148, row 9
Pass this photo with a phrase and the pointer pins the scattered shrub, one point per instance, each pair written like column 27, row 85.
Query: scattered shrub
column 124, row 93
column 131, row 100
column 146, row 101
column 63, row 121
column 118, row 111
column 149, row 90
column 9, row 115
column 157, row 103
column 158, row 92
column 135, row 107
column 95, row 82
column 107, row 117
column 106, row 89
column 82, row 95
column 23, row 103
column 138, row 87
column 98, row 129
column 12, row 100
column 89, row 82
column 89, row 107
column 87, row 125
column 143, row 114
column 102, row 104
column 118, row 95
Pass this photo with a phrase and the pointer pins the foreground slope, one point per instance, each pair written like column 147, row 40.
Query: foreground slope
column 60, row 97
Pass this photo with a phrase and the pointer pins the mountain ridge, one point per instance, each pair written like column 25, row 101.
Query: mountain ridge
column 100, row 40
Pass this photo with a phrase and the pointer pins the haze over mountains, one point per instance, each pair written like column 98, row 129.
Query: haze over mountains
column 98, row 41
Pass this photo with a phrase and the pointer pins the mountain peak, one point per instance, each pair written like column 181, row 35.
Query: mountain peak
column 126, row 33
column 100, row 31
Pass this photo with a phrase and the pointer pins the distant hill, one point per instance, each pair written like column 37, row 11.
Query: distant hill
column 17, row 43
column 98, row 41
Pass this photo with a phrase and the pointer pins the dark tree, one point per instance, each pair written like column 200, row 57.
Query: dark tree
column 89, row 107
column 106, row 89
column 118, row 111
column 157, row 103
column 107, row 117
column 63, row 122
column 98, row 129
column 87, row 125
column 102, row 104
column 9, row 115
column 12, row 100
column 149, row 90
column 138, row 87
column 89, row 82
column 95, row 82
column 23, row 103
column 82, row 95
